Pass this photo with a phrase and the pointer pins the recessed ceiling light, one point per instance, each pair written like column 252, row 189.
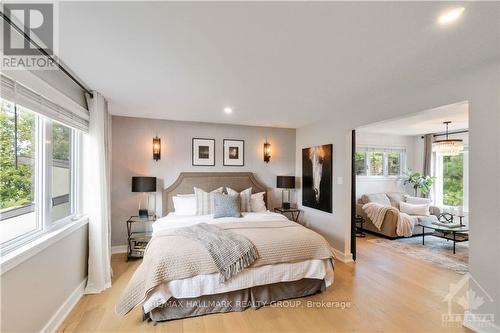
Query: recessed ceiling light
column 228, row 110
column 451, row 15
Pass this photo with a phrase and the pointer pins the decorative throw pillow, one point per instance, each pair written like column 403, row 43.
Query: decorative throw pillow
column 417, row 200
column 257, row 202
column 205, row 201
column 184, row 205
column 226, row 205
column 245, row 198
column 411, row 209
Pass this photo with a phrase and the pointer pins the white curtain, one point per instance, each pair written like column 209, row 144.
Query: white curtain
column 96, row 193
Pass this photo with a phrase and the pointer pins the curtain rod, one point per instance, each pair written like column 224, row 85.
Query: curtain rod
column 42, row 51
column 449, row 133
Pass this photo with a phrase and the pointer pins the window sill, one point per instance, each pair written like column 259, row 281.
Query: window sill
column 23, row 253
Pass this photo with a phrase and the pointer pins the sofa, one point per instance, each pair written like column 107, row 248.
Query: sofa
column 388, row 228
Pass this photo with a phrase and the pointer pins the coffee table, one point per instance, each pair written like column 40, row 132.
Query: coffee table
column 456, row 234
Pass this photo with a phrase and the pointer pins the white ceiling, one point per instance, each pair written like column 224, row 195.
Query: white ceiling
column 276, row 64
column 429, row 121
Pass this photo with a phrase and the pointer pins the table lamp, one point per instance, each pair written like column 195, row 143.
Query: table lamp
column 286, row 183
column 143, row 185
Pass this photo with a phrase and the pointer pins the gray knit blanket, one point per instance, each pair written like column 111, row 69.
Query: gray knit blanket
column 230, row 252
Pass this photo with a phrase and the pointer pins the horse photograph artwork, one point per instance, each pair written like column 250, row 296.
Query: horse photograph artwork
column 317, row 177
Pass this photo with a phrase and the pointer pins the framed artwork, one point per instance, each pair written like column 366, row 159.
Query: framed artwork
column 234, row 152
column 203, row 152
column 317, row 165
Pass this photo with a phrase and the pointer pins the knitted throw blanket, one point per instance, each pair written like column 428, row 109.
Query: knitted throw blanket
column 231, row 252
column 376, row 212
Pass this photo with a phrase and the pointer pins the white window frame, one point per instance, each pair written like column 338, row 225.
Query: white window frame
column 43, row 183
column 385, row 151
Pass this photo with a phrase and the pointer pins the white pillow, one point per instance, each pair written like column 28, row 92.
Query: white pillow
column 411, row 209
column 257, row 202
column 245, row 198
column 184, row 205
column 417, row 201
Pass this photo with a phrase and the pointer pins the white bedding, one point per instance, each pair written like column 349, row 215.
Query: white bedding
column 209, row 284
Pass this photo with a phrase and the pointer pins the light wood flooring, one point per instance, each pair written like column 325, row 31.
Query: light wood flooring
column 387, row 292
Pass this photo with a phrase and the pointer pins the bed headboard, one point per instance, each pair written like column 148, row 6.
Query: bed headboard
column 209, row 181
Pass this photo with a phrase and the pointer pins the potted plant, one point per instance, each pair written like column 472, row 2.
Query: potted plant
column 419, row 182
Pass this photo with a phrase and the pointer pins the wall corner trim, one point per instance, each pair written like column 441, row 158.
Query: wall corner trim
column 58, row 318
column 341, row 256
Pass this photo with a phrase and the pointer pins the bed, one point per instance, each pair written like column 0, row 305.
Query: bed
column 177, row 278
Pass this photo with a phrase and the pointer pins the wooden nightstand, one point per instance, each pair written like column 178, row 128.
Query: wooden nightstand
column 137, row 240
column 294, row 212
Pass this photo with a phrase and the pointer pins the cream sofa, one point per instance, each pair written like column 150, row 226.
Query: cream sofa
column 388, row 228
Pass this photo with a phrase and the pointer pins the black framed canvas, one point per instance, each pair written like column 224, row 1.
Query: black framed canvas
column 203, row 152
column 234, row 152
column 317, row 165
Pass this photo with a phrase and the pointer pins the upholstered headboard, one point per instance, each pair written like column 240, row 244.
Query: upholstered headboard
column 209, row 181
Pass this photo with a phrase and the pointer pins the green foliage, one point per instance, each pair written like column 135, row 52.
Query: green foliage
column 359, row 163
column 376, row 163
column 61, row 142
column 16, row 182
column 419, row 182
column 393, row 164
column 453, row 188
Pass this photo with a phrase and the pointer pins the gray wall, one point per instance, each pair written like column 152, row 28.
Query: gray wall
column 34, row 290
column 479, row 86
column 132, row 156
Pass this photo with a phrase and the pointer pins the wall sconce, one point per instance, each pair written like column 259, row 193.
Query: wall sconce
column 267, row 151
column 156, row 148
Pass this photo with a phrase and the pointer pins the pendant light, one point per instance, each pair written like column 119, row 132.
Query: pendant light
column 448, row 146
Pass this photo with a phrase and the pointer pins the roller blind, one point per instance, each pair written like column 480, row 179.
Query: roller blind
column 24, row 96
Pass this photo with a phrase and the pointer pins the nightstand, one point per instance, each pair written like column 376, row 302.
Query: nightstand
column 294, row 212
column 137, row 240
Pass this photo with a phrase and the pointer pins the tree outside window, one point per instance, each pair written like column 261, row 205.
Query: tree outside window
column 453, row 180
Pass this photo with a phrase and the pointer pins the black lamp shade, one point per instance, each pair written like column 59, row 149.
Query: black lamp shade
column 285, row 182
column 143, row 184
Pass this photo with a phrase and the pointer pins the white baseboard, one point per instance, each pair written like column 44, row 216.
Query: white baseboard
column 63, row 311
column 479, row 329
column 119, row 249
column 344, row 257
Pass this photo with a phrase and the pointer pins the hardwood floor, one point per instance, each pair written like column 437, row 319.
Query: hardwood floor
column 385, row 291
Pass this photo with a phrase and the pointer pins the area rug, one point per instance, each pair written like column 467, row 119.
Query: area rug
column 436, row 250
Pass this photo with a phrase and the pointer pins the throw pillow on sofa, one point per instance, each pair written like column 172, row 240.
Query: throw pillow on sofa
column 411, row 209
column 417, row 201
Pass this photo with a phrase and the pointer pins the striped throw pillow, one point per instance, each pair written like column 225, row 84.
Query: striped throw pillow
column 205, row 201
column 245, row 198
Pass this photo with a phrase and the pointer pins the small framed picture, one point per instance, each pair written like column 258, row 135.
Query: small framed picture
column 203, row 152
column 234, row 152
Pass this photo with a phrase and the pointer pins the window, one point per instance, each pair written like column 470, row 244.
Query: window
column 60, row 199
column 360, row 163
column 379, row 161
column 19, row 132
column 376, row 163
column 37, row 159
column 451, row 180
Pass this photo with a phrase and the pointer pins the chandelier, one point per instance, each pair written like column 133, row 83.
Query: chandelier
column 448, row 146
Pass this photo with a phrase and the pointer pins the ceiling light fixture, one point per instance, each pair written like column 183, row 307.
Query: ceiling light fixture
column 451, row 15
column 448, row 147
column 228, row 110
